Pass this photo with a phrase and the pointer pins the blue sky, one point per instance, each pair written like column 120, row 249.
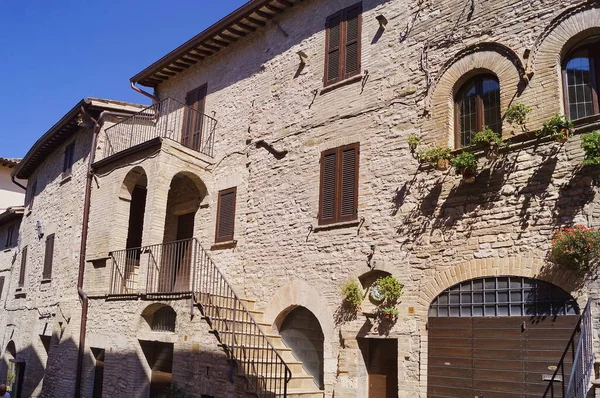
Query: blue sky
column 54, row 53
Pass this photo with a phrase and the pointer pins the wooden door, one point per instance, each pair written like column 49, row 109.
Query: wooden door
column 193, row 121
column 183, row 254
column 377, row 386
column 495, row 357
column 160, row 359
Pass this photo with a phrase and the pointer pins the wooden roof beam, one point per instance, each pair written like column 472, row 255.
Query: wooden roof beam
column 256, row 21
column 209, row 46
column 221, row 43
column 244, row 25
column 263, row 14
column 228, row 37
column 182, row 64
column 286, row 3
column 236, row 32
column 276, row 10
column 195, row 56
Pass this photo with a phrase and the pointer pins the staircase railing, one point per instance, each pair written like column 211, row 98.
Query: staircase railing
column 184, row 266
column 268, row 374
column 580, row 351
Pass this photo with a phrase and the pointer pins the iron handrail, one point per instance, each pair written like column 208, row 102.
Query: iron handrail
column 168, row 118
column 236, row 327
column 582, row 357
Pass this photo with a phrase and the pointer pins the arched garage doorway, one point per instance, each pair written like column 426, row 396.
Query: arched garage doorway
column 497, row 337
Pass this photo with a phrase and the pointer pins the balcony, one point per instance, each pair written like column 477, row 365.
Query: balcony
column 168, row 118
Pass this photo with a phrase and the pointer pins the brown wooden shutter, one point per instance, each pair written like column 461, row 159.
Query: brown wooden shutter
column 352, row 31
column 68, row 160
column 47, row 274
column 23, row 266
column 32, row 194
column 226, row 215
column 349, row 182
column 1, row 285
column 333, row 48
column 194, row 118
column 328, row 194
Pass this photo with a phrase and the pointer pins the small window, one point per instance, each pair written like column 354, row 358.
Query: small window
column 164, row 320
column 339, row 184
column 477, row 106
column 580, row 75
column 1, row 285
column 342, row 44
column 68, row 160
column 9, row 236
column 47, row 274
column 31, row 194
column 23, row 266
column 226, row 215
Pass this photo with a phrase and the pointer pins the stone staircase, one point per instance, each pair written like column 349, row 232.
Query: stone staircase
column 233, row 321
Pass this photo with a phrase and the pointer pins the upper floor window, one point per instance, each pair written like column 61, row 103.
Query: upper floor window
column 342, row 44
column 68, row 160
column 30, row 196
column 9, row 236
column 338, row 198
column 21, row 282
column 581, row 70
column 477, row 106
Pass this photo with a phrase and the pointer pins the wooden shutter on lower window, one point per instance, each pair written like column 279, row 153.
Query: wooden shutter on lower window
column 328, row 192
column 352, row 32
column 226, row 215
column 23, row 265
column 349, row 182
column 47, row 274
column 332, row 48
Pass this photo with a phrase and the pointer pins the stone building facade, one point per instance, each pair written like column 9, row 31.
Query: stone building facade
column 172, row 272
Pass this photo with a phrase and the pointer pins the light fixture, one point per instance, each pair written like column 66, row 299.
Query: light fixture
column 382, row 21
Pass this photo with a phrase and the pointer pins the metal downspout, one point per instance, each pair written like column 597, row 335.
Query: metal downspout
column 145, row 93
column 84, row 235
column 12, row 177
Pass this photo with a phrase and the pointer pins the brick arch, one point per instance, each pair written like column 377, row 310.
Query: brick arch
column 565, row 31
column 479, row 268
column 492, row 58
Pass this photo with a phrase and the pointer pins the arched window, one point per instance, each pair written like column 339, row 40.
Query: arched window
column 477, row 105
column 164, row 320
column 581, row 69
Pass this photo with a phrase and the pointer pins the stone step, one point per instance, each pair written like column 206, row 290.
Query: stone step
column 228, row 313
column 259, row 353
column 250, row 339
column 223, row 301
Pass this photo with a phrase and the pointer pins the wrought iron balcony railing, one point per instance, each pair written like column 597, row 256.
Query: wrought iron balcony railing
column 168, row 118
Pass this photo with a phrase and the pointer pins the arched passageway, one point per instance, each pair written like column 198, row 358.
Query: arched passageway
column 497, row 337
column 301, row 331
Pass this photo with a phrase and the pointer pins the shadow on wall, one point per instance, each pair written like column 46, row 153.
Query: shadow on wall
column 112, row 373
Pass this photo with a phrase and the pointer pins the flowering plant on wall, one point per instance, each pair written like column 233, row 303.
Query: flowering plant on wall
column 576, row 247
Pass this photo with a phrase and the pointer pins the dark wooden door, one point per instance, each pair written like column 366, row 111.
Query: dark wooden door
column 495, row 357
column 191, row 136
column 160, row 359
column 377, row 386
column 183, row 254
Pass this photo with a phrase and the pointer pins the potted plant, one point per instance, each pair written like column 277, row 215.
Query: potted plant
column 517, row 114
column 491, row 140
column 558, row 127
column 591, row 146
column 438, row 157
column 413, row 142
column 576, row 247
column 466, row 164
column 352, row 294
column 388, row 312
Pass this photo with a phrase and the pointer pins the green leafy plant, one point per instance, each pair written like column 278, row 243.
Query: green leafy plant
column 517, row 114
column 489, row 138
column 576, row 247
column 438, row 157
column 390, row 288
column 465, row 163
column 390, row 311
column 413, row 142
column 558, row 127
column 591, row 146
column 352, row 293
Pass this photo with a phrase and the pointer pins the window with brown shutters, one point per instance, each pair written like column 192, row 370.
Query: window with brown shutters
column 23, row 266
column 342, row 44
column 226, row 215
column 47, row 273
column 31, row 194
column 1, row 285
column 191, row 136
column 338, row 198
column 9, row 236
column 68, row 159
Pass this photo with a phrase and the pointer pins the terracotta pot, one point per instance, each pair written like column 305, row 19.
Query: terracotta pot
column 442, row 165
column 468, row 176
column 564, row 135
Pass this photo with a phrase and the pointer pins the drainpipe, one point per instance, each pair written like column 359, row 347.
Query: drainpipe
column 147, row 94
column 84, row 234
column 12, row 177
